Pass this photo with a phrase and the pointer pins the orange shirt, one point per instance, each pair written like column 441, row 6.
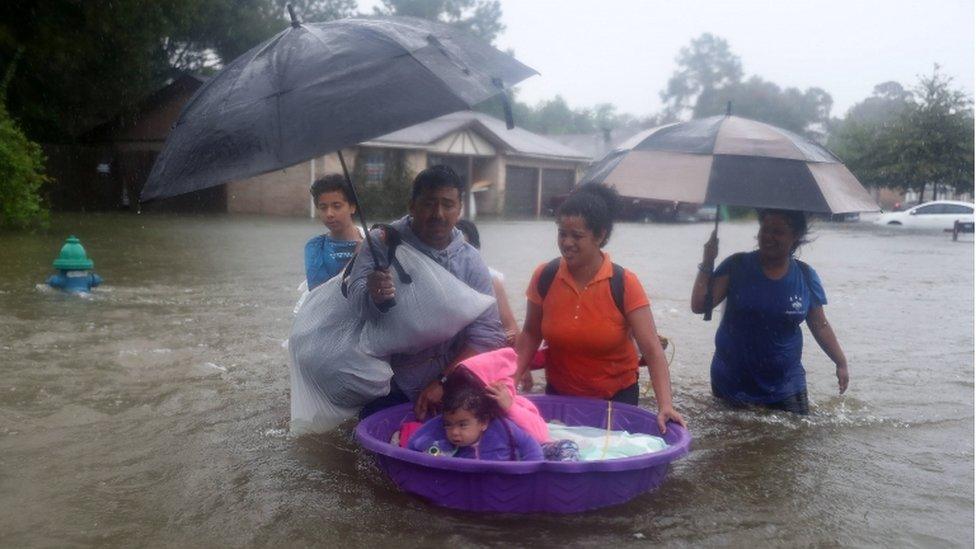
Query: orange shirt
column 590, row 349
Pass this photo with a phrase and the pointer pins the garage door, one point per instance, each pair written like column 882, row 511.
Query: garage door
column 520, row 191
column 556, row 183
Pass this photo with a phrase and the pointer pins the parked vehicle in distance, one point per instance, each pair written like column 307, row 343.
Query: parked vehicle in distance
column 643, row 209
column 704, row 213
column 938, row 214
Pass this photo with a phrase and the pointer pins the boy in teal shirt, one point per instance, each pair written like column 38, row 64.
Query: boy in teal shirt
column 327, row 254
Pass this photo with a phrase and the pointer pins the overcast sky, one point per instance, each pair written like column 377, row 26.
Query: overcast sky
column 623, row 51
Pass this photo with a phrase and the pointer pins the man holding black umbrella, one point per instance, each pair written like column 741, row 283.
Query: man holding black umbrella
column 435, row 207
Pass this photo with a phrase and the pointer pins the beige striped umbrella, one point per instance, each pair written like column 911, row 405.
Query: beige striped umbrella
column 732, row 161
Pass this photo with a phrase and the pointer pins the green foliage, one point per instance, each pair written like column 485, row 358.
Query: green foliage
column 801, row 112
column 85, row 61
column 556, row 117
column 480, row 17
column 21, row 171
column 705, row 65
column 709, row 75
column 389, row 198
column 907, row 139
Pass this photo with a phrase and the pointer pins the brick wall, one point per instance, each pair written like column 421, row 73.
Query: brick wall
column 281, row 192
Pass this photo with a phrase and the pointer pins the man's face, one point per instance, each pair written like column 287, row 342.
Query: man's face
column 435, row 211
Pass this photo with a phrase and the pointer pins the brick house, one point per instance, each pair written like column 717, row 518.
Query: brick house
column 511, row 172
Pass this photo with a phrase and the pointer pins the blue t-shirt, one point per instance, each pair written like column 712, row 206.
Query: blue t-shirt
column 325, row 258
column 759, row 343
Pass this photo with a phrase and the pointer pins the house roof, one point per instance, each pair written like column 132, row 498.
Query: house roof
column 182, row 82
column 517, row 141
column 595, row 145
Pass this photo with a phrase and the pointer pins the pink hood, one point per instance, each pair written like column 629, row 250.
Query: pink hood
column 500, row 365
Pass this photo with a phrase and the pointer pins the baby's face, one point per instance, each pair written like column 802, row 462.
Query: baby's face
column 463, row 428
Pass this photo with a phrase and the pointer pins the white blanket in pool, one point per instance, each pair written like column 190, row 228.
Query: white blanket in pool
column 596, row 443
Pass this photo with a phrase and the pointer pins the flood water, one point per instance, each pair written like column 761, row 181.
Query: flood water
column 155, row 412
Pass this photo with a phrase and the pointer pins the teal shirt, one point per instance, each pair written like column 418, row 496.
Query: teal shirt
column 325, row 258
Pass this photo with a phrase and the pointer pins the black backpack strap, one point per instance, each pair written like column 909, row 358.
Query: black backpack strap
column 546, row 278
column 616, row 283
column 617, row 288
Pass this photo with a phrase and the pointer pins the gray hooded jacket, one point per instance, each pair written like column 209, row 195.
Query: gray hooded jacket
column 412, row 373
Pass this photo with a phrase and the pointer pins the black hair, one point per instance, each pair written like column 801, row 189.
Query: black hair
column 470, row 231
column 463, row 390
column 797, row 221
column 330, row 183
column 597, row 204
column 434, row 177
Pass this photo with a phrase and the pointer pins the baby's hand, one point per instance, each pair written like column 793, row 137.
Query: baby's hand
column 499, row 391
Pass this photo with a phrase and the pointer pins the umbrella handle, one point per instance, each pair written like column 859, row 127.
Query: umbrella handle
column 506, row 104
column 386, row 305
column 294, row 18
column 708, row 288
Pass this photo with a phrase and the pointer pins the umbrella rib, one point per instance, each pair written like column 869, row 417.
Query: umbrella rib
column 412, row 53
column 789, row 135
column 816, row 185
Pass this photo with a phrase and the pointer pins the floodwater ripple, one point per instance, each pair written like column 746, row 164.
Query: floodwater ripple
column 155, row 410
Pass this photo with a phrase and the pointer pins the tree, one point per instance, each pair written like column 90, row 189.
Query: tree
column 21, row 171
column 862, row 137
column 85, row 61
column 802, row 112
column 480, row 17
column 911, row 139
column 384, row 199
column 703, row 66
column 555, row 117
column 709, row 75
column 934, row 141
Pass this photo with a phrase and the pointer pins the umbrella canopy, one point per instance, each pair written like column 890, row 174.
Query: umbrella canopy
column 317, row 87
column 733, row 161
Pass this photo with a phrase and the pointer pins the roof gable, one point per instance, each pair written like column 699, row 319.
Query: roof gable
column 517, row 141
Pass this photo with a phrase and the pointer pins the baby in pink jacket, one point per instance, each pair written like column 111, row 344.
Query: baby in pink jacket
column 495, row 369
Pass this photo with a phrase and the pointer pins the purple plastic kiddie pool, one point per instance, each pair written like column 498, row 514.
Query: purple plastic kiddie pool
column 528, row 486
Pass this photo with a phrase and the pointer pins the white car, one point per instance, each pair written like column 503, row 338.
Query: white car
column 940, row 214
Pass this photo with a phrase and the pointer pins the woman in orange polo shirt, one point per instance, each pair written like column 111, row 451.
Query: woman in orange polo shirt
column 589, row 335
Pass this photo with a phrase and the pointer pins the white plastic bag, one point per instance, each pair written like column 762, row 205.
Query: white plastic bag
column 331, row 378
column 433, row 308
column 303, row 291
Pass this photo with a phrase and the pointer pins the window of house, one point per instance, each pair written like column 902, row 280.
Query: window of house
column 374, row 166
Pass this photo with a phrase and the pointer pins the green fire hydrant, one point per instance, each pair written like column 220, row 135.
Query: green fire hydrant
column 74, row 269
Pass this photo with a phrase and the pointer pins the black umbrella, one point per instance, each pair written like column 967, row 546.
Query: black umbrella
column 733, row 161
column 317, row 87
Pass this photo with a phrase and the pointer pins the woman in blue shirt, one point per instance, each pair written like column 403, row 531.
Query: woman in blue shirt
column 758, row 344
column 326, row 255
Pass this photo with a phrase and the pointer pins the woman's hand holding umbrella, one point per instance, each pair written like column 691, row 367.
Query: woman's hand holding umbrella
column 710, row 252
